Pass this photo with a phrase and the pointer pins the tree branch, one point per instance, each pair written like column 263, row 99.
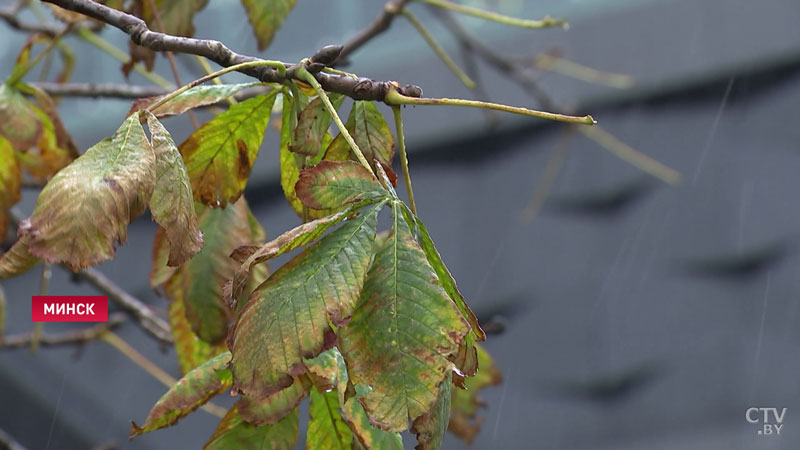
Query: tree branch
column 127, row 91
column 356, row 88
column 153, row 324
column 378, row 26
column 68, row 337
column 9, row 15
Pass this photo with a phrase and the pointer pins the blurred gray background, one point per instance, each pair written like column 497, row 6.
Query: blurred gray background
column 638, row 315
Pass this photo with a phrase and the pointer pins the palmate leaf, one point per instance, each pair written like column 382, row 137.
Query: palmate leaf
column 326, row 428
column 190, row 349
column 312, row 126
column 220, row 154
column 274, row 407
column 171, row 203
column 266, row 17
column 370, row 131
column 189, row 393
column 464, row 421
column 195, row 97
column 10, row 181
column 404, row 333
column 287, row 318
column 198, row 282
column 233, row 433
column 84, row 211
column 431, row 427
column 331, row 185
column 288, row 241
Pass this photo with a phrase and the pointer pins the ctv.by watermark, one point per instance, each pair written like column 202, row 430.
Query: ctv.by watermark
column 769, row 420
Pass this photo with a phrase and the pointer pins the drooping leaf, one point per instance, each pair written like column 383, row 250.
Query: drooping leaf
column 331, row 185
column 171, row 204
column 176, row 15
column 326, row 428
column 65, row 149
column 198, row 282
column 312, row 125
column 160, row 272
column 17, row 260
column 19, row 122
column 220, row 154
column 287, row 318
column 369, row 436
column 10, row 181
column 233, row 433
column 266, row 17
column 464, row 420
column 288, row 241
column 190, row 349
column 370, row 131
column 195, row 97
column 84, row 211
column 274, row 407
column 328, row 371
column 189, row 393
column 404, row 333
column 289, row 161
column 431, row 427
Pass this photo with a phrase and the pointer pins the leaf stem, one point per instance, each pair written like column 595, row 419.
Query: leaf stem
column 306, row 76
column 465, row 79
column 90, row 37
column 208, row 70
column 401, row 149
column 395, row 98
column 546, row 22
column 211, row 76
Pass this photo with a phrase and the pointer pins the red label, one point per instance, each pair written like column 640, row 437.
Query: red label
column 65, row 308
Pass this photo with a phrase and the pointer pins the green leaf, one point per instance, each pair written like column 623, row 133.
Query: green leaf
column 19, row 122
column 328, row 371
column 288, row 241
column 404, row 333
column 326, row 428
column 370, row 131
column 84, row 211
column 176, row 15
column 312, row 126
column 431, row 427
column 17, row 260
column 464, row 421
column 195, row 97
column 274, row 407
column 287, row 318
column 220, row 154
column 189, row 393
column 171, row 203
column 198, row 282
column 331, row 185
column 448, row 282
column 10, row 181
column 266, row 17
column 190, row 349
column 233, row 433
column 370, row 437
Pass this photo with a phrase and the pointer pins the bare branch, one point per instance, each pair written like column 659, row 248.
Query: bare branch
column 9, row 15
column 100, row 90
column 68, row 337
column 378, row 26
column 153, row 324
column 356, row 88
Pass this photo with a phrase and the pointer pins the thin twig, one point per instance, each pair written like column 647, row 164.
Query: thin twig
column 546, row 22
column 136, row 28
column 10, row 17
column 152, row 323
column 151, row 368
column 81, row 336
column 549, row 176
column 401, row 148
column 378, row 26
column 126, row 91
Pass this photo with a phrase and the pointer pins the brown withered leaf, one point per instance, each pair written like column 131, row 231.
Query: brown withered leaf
column 274, row 407
column 10, row 180
column 84, row 211
column 464, row 420
column 17, row 260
